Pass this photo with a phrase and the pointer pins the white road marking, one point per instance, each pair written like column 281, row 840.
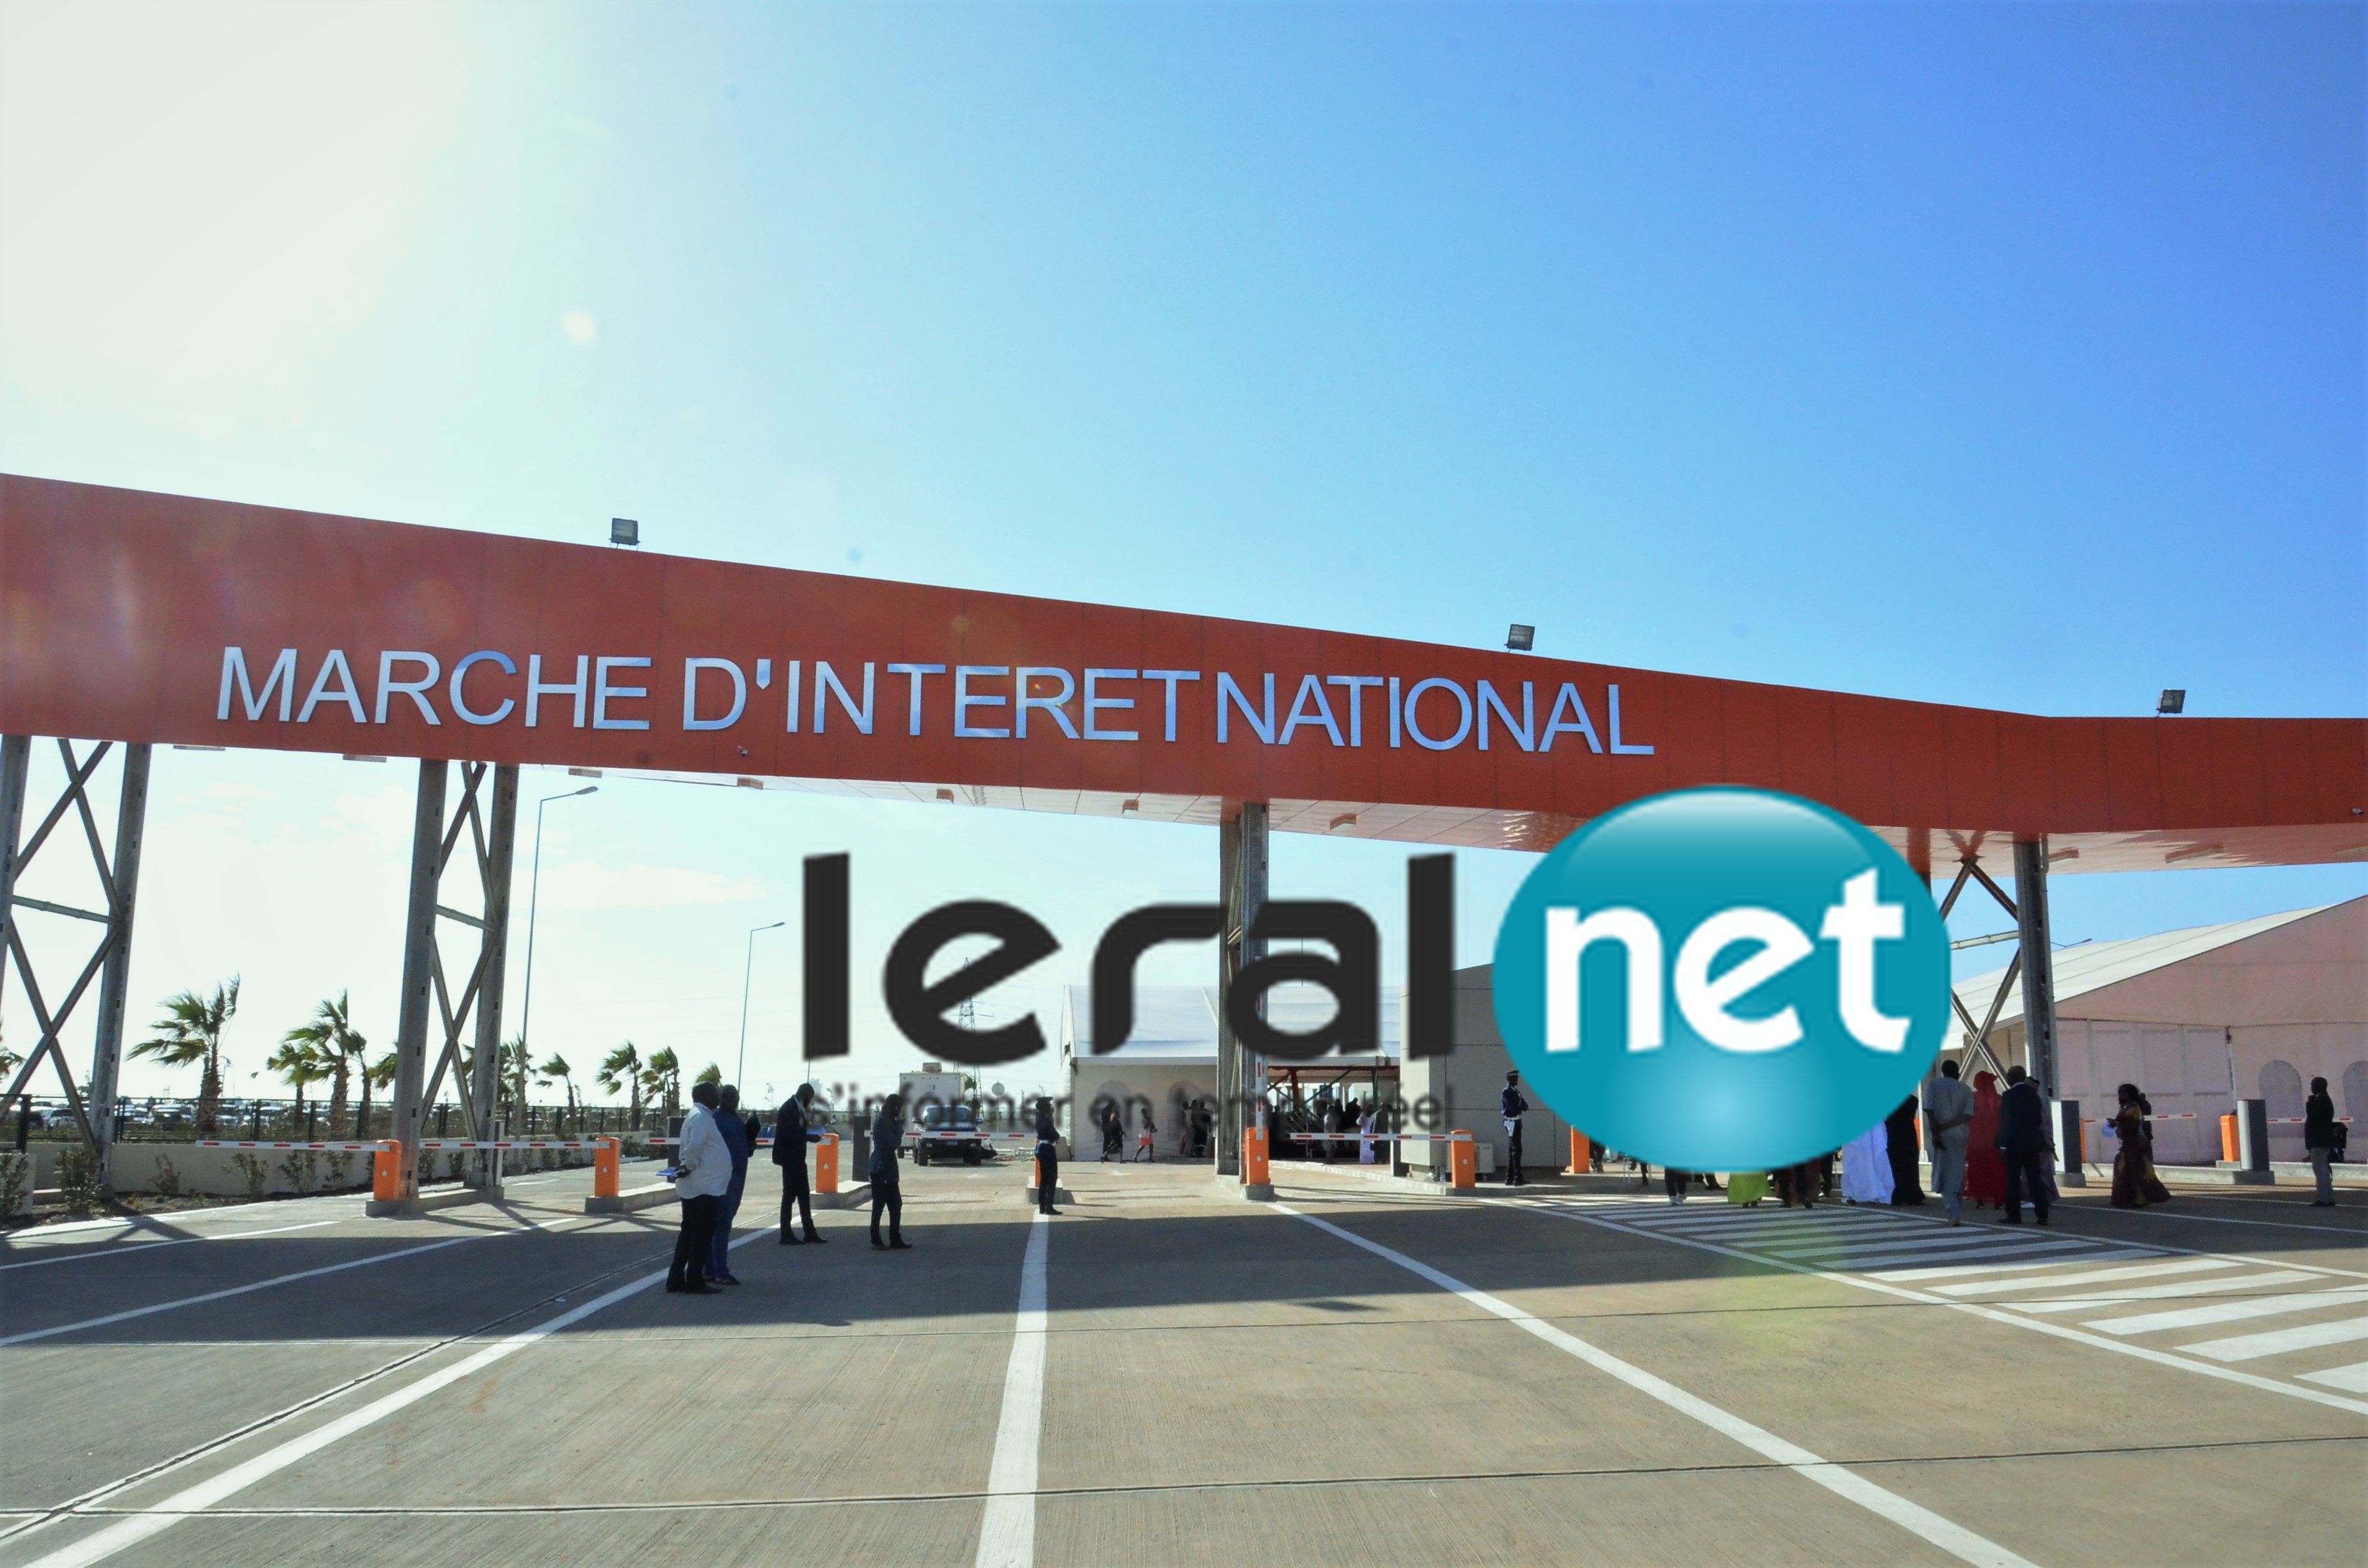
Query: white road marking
column 131, row 1313
column 2351, row 1380
column 1007, row 1536
column 1945, row 1241
column 1911, row 1252
column 2216, row 1286
column 2087, row 1277
column 88, row 1254
column 2253, row 1346
column 1976, row 1308
column 2228, row 1312
column 1957, row 1273
column 1946, row 1534
column 131, row 1530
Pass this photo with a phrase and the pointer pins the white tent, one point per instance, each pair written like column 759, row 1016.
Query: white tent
column 2202, row 1016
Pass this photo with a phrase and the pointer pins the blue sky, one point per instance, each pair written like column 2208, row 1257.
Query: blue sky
column 2004, row 355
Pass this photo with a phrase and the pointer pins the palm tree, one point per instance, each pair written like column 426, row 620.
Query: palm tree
column 300, row 1062
column 332, row 1036
column 190, row 1031
column 621, row 1069
column 378, row 1074
column 556, row 1070
column 664, row 1071
column 513, row 1066
column 711, row 1073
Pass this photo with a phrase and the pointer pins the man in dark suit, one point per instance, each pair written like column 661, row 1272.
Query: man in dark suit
column 2022, row 1140
column 790, row 1137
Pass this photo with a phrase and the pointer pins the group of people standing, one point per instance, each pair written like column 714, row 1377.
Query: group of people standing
column 710, row 1172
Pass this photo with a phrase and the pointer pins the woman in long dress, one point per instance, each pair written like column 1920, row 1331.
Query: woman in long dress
column 1866, row 1166
column 1984, row 1166
column 1746, row 1188
column 2134, row 1183
column 1907, row 1190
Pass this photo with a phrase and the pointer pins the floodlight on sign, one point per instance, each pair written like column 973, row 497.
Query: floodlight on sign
column 625, row 531
column 1520, row 638
column 2174, row 701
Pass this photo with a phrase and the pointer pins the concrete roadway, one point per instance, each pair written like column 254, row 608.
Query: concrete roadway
column 1358, row 1374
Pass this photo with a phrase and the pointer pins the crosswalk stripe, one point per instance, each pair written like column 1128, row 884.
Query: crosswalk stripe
column 2227, row 1312
column 2253, row 1346
column 1920, row 1275
column 2351, row 1379
column 2216, row 1284
column 1869, row 1245
column 1995, row 1250
column 1991, row 1287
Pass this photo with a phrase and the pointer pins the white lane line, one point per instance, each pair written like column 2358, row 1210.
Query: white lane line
column 136, row 1527
column 2351, row 1380
column 1946, row 1534
column 1983, row 1310
column 2228, row 1312
column 2087, row 1277
column 90, row 1254
column 2343, row 1232
column 2217, row 1286
column 1007, row 1536
column 131, row 1313
column 2253, row 1346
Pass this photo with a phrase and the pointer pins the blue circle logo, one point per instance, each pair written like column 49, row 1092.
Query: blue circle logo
column 1722, row 980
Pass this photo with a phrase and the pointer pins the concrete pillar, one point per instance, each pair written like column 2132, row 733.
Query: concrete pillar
column 1242, row 886
column 419, row 1001
column 2038, row 953
column 106, row 1052
column 2071, row 1170
column 2253, row 1143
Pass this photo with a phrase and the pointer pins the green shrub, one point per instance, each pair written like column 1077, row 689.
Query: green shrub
column 257, row 1174
column 78, row 1178
column 16, row 1181
column 300, row 1169
column 341, row 1168
column 168, row 1177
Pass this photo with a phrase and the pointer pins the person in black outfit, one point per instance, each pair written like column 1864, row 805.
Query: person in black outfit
column 1906, row 1191
column 2022, row 1140
column 1048, row 1156
column 791, row 1136
column 1512, row 1106
column 887, row 1137
column 2323, row 1138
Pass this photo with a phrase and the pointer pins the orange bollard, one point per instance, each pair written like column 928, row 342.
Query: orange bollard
column 386, row 1172
column 605, row 1161
column 1461, row 1163
column 1582, row 1153
column 1255, row 1172
column 826, row 1163
column 2228, row 1145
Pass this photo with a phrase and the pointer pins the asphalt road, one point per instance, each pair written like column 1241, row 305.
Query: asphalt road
column 1356, row 1374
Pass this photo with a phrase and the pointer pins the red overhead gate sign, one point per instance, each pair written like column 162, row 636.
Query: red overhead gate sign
column 137, row 617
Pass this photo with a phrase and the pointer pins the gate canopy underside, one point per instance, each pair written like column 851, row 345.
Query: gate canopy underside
column 152, row 618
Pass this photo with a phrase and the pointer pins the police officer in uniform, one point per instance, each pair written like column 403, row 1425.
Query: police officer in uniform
column 1048, row 1156
column 1513, row 1108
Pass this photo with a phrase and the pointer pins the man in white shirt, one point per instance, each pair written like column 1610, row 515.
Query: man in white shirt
column 704, row 1163
column 1948, row 1125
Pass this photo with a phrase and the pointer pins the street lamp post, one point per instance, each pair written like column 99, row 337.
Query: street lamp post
column 747, row 974
column 533, row 897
